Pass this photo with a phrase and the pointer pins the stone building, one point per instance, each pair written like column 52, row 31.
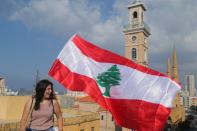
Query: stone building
column 2, row 85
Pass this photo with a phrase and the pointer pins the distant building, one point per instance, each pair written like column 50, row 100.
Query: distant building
column 2, row 85
column 193, row 101
column 4, row 90
column 190, row 101
column 75, row 93
column 107, row 122
column 190, row 85
column 186, row 101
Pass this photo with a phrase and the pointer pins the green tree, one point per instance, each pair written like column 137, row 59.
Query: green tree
column 109, row 78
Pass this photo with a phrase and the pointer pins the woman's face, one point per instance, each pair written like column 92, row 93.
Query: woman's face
column 47, row 92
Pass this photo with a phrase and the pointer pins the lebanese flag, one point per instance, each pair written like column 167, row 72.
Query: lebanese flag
column 137, row 97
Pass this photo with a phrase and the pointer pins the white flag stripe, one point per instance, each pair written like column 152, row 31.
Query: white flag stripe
column 134, row 84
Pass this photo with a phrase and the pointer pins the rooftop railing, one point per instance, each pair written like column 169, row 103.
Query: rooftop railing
column 14, row 125
column 137, row 25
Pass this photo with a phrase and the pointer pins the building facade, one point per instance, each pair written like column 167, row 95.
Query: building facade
column 190, row 85
column 136, row 34
column 107, row 122
column 193, row 101
column 2, row 85
column 75, row 93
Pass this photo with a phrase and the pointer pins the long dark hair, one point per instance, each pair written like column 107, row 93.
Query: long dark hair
column 40, row 89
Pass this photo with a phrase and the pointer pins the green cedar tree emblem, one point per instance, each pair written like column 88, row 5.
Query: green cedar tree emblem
column 109, row 78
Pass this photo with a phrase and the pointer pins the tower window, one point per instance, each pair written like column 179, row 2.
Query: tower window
column 135, row 14
column 102, row 117
column 145, row 55
column 134, row 53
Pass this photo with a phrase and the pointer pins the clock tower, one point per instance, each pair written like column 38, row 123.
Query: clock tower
column 136, row 34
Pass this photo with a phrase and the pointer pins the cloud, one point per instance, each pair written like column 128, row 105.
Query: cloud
column 172, row 23
column 66, row 17
column 59, row 16
column 190, row 42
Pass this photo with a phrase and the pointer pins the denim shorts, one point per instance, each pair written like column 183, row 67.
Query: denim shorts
column 50, row 129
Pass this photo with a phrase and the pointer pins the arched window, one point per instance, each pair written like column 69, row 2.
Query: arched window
column 134, row 53
column 134, row 14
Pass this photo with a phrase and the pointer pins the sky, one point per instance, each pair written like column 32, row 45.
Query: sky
column 33, row 32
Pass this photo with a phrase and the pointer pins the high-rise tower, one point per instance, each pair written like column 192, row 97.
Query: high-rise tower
column 136, row 34
column 190, row 85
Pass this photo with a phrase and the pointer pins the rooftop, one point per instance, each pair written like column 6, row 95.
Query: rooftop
column 137, row 3
column 86, row 99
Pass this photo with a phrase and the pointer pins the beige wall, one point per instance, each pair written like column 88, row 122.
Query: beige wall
column 104, row 124
column 88, row 106
column 85, row 121
column 139, row 44
column 107, row 124
column 70, row 124
column 11, row 107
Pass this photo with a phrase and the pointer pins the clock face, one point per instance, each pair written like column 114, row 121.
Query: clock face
column 133, row 38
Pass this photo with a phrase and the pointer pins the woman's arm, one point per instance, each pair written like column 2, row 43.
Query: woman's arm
column 58, row 114
column 25, row 114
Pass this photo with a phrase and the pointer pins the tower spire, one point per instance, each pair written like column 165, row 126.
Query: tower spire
column 175, row 67
column 169, row 67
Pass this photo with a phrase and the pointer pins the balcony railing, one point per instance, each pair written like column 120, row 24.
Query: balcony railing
column 14, row 126
column 137, row 25
column 9, row 126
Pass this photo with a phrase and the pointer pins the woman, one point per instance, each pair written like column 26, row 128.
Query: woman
column 41, row 118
